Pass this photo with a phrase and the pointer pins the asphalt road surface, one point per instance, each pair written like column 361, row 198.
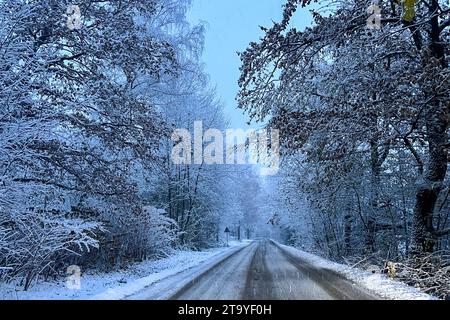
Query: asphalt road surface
column 263, row 271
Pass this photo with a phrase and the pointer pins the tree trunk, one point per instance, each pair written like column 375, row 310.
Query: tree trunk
column 348, row 233
column 428, row 192
column 377, row 160
column 437, row 124
column 239, row 231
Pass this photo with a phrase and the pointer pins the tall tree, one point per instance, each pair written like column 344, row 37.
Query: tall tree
column 338, row 89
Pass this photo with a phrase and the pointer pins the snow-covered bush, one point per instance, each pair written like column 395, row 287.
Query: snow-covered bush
column 37, row 242
column 160, row 232
column 430, row 273
column 132, row 234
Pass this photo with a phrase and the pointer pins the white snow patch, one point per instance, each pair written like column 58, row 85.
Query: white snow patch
column 377, row 283
column 118, row 284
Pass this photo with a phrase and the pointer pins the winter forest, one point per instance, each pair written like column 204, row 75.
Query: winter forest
column 92, row 94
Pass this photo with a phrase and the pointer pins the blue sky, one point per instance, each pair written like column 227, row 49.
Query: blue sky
column 231, row 26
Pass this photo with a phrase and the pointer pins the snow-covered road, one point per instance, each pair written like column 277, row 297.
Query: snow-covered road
column 276, row 275
column 261, row 270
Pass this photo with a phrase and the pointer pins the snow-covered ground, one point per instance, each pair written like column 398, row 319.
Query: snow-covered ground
column 145, row 280
column 119, row 284
column 377, row 283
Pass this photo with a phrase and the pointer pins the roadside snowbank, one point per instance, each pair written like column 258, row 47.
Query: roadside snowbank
column 117, row 284
column 374, row 282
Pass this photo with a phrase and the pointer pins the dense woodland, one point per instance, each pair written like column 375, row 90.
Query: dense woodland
column 87, row 116
column 364, row 118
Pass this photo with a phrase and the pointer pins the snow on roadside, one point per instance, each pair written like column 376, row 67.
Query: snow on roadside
column 116, row 284
column 377, row 283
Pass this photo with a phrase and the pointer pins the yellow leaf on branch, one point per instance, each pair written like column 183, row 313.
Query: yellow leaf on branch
column 409, row 10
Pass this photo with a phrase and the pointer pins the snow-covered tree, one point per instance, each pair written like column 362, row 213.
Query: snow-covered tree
column 339, row 90
column 84, row 113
